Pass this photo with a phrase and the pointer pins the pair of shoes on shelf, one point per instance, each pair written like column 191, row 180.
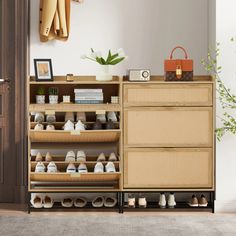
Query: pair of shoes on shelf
column 82, row 168
column 102, row 157
column 194, row 202
column 171, row 200
column 109, row 167
column 142, row 202
column 77, row 202
column 70, row 126
column 51, row 167
column 79, row 116
column 40, row 202
column 101, row 201
column 98, row 125
column 39, row 127
column 39, row 118
column 80, row 157
column 111, row 115
column 39, row 157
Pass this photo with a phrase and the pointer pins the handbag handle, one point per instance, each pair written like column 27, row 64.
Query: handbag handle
column 179, row 47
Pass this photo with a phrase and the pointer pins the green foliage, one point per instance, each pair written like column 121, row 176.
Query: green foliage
column 53, row 91
column 226, row 98
column 41, row 91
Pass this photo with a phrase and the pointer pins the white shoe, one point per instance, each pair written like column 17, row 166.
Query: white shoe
column 171, row 201
column 48, row 157
column 71, row 168
column 81, row 156
column 79, row 126
column 142, row 202
column 81, row 116
column 70, row 156
column 98, row 201
column 40, row 167
column 69, row 116
column 67, row 202
column 50, row 127
column 38, row 127
column 112, row 157
column 82, row 168
column 101, row 118
column 110, row 167
column 101, row 157
column 69, row 126
column 37, row 202
column 111, row 115
column 110, row 201
column 131, row 201
column 80, row 202
column 39, row 117
column 99, row 168
column 52, row 168
column 38, row 157
column 162, row 201
column 48, row 202
column 50, row 119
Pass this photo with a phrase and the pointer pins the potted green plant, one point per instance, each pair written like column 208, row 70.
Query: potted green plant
column 105, row 63
column 40, row 97
column 53, row 95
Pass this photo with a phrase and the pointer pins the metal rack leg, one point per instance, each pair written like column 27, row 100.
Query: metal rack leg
column 213, row 203
column 28, row 201
column 121, row 203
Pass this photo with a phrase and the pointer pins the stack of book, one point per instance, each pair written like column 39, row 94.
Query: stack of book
column 88, row 96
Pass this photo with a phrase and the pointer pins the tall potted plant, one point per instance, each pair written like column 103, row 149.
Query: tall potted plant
column 105, row 63
column 53, row 95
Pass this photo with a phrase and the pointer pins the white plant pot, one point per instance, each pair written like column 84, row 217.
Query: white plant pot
column 40, row 99
column 53, row 99
column 104, row 74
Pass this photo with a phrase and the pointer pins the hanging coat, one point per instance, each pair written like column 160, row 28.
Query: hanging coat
column 54, row 17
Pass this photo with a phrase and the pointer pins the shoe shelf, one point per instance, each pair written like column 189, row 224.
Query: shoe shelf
column 61, row 136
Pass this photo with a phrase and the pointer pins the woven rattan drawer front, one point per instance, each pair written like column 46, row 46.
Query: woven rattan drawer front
column 168, row 168
column 168, row 95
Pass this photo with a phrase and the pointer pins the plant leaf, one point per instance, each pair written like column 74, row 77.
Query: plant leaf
column 116, row 61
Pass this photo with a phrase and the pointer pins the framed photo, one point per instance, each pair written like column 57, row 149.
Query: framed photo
column 43, row 70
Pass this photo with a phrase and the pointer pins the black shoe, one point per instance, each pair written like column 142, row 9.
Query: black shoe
column 97, row 125
column 110, row 125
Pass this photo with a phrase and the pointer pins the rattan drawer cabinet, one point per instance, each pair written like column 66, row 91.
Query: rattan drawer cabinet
column 169, row 135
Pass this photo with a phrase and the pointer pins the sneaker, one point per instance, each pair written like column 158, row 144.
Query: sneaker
column 81, row 116
column 131, row 201
column 80, row 202
column 203, row 201
column 38, row 157
column 82, row 168
column 99, row 168
column 40, row 167
column 67, row 202
column 69, row 126
column 71, row 168
column 37, row 202
column 69, row 116
column 81, row 156
column 70, row 156
column 110, row 201
column 101, row 118
column 98, row 201
column 142, row 202
column 52, row 168
column 48, row 202
column 50, row 119
column 112, row 157
column 50, row 127
column 110, row 125
column 38, row 127
column 79, row 126
column 110, row 167
column 39, row 117
column 194, row 201
column 171, row 200
column 111, row 115
column 101, row 157
column 162, row 201
column 48, row 157
column 97, row 125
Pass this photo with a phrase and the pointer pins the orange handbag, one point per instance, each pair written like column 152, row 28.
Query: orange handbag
column 178, row 69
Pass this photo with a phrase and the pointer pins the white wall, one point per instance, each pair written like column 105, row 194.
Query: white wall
column 226, row 150
column 147, row 30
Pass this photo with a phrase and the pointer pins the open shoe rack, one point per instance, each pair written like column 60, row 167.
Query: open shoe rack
column 121, row 182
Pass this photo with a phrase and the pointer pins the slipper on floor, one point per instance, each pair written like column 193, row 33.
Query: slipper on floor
column 67, row 202
column 37, row 202
column 98, row 201
column 80, row 202
column 110, row 202
column 48, row 202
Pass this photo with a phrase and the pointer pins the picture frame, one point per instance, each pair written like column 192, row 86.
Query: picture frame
column 43, row 70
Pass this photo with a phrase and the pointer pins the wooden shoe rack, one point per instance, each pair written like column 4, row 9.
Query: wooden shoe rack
column 164, row 139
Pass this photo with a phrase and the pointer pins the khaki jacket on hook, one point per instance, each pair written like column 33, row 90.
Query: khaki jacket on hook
column 54, row 20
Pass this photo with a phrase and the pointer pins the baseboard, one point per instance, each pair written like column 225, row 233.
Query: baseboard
column 222, row 206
